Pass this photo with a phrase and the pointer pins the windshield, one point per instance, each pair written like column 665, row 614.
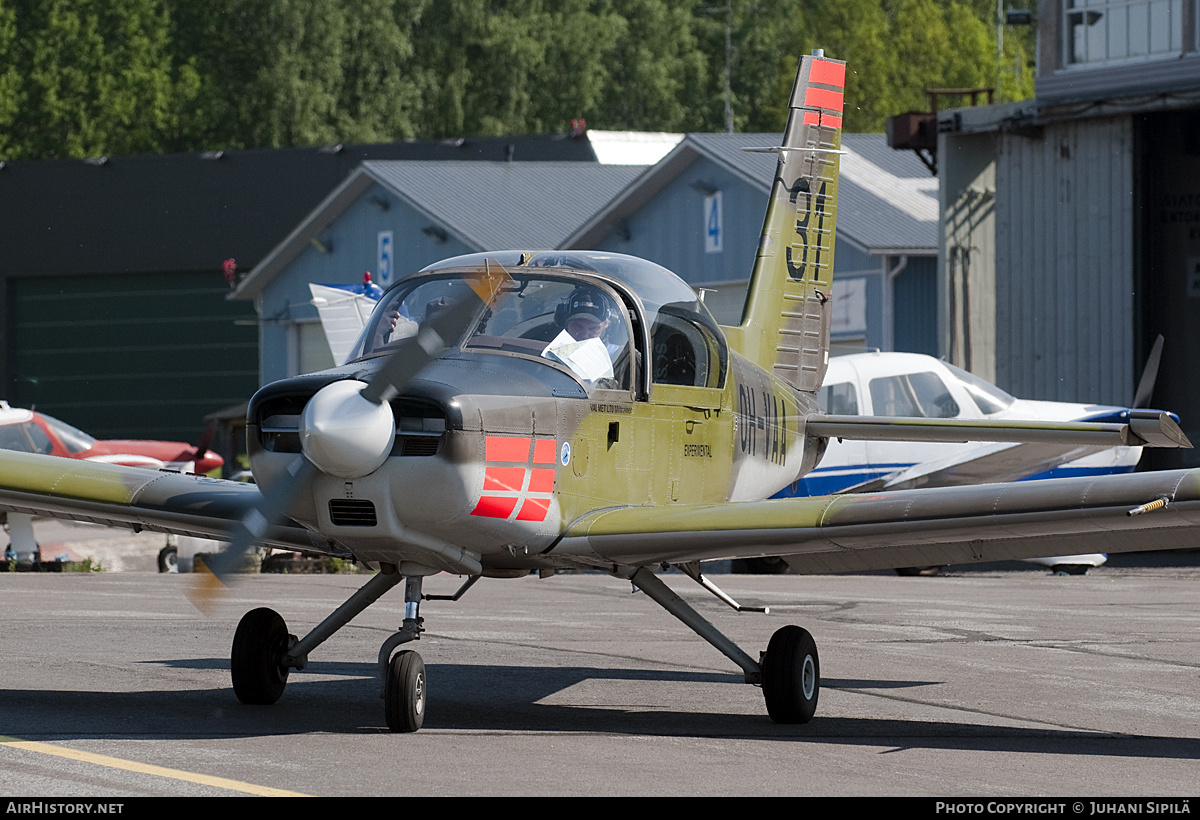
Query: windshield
column 558, row 318
column 76, row 441
column 990, row 398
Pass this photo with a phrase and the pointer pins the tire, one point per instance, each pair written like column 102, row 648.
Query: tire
column 791, row 676
column 771, row 565
column 168, row 559
column 918, row 572
column 256, row 662
column 404, row 692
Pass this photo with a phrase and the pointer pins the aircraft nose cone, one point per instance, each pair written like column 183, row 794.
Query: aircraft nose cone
column 345, row 435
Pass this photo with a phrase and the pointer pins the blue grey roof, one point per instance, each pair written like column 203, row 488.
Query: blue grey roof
column 888, row 200
column 496, row 205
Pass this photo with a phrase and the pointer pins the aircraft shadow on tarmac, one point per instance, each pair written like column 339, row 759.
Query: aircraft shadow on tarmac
column 338, row 698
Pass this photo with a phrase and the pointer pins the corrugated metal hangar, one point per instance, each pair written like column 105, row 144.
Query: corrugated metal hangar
column 1071, row 222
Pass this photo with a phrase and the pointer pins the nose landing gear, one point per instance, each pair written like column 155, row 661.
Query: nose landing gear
column 264, row 653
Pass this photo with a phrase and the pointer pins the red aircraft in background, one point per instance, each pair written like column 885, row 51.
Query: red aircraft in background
column 28, row 431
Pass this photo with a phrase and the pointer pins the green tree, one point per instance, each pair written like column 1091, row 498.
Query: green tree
column 96, row 77
column 381, row 89
column 10, row 79
column 658, row 77
column 84, row 77
column 512, row 67
column 271, row 70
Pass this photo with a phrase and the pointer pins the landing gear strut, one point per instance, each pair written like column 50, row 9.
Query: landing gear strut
column 789, row 671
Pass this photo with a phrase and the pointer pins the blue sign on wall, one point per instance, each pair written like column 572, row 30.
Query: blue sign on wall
column 712, row 223
column 384, row 261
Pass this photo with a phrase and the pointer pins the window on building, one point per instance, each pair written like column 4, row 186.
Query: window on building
column 1097, row 32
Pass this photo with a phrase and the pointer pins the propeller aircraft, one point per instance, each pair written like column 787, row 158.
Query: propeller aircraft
column 517, row 412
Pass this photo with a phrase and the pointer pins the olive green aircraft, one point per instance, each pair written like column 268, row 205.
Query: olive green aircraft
column 517, row 412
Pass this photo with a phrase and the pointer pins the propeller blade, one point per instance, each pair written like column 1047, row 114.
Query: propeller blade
column 1145, row 388
column 434, row 335
column 248, row 532
column 436, row 332
column 202, row 446
column 197, row 454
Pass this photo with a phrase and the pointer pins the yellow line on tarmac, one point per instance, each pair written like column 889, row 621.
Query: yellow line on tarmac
column 145, row 768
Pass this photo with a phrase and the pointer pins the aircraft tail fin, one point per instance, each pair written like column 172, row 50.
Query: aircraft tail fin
column 785, row 325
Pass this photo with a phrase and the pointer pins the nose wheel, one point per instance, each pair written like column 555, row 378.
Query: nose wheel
column 264, row 652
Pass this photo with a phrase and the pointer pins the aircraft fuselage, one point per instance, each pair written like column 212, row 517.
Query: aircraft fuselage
column 496, row 453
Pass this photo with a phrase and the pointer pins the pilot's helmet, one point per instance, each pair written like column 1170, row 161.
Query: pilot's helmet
column 583, row 301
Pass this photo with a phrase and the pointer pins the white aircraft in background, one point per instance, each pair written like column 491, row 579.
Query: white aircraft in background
column 915, row 385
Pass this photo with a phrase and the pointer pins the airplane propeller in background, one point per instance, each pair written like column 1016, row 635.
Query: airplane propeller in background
column 1145, row 388
column 194, row 455
column 347, row 429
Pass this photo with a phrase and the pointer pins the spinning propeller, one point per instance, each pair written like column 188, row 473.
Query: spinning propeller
column 347, row 429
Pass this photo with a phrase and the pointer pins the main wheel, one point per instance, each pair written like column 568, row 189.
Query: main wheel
column 256, row 662
column 404, row 692
column 791, row 676
column 168, row 559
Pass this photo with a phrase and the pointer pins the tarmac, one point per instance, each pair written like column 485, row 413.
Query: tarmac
column 1003, row 681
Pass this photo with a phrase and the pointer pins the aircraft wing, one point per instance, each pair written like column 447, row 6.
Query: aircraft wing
column 138, row 498
column 1146, row 428
column 927, row 527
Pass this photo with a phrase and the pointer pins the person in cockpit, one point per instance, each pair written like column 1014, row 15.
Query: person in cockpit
column 588, row 314
column 585, row 314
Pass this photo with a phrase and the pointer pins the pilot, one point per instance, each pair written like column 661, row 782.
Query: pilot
column 585, row 314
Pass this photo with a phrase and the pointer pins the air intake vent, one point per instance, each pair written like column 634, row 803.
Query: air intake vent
column 411, row 445
column 420, row 428
column 351, row 512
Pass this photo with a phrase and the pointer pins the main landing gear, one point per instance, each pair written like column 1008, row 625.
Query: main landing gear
column 789, row 671
column 264, row 653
